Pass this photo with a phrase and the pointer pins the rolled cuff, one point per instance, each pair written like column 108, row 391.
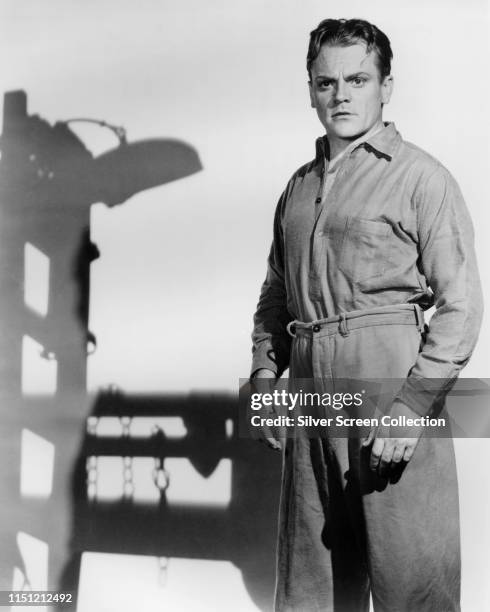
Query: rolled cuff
column 425, row 396
column 264, row 357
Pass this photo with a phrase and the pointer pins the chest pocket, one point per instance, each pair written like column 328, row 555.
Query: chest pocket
column 365, row 250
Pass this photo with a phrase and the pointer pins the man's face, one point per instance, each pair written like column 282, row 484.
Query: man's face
column 346, row 91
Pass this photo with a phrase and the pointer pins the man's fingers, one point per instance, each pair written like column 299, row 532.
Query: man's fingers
column 386, row 457
column 376, row 452
column 386, row 454
column 398, row 453
column 268, row 438
column 390, row 449
column 370, row 437
column 273, row 443
column 409, row 450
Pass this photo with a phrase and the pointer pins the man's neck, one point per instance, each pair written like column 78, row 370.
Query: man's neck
column 338, row 146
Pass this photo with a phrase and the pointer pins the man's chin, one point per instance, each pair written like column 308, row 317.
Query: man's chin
column 345, row 131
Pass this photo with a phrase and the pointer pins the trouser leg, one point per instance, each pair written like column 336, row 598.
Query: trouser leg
column 411, row 525
column 340, row 523
column 322, row 564
column 413, row 534
column 321, row 560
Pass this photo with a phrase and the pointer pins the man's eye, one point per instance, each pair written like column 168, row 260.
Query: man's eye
column 358, row 82
column 324, row 84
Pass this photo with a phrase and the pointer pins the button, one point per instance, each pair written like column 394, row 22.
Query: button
column 318, row 201
column 320, row 233
column 317, row 328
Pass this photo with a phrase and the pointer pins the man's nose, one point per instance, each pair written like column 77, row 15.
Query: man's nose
column 342, row 93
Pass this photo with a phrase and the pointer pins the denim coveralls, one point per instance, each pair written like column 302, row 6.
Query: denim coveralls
column 390, row 231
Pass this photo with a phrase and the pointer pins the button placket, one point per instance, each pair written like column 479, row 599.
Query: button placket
column 319, row 197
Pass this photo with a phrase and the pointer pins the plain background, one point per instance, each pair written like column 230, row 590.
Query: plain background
column 178, row 280
column 174, row 291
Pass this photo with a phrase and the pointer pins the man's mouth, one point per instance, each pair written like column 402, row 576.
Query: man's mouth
column 341, row 114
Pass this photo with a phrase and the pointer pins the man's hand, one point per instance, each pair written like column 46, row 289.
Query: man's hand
column 393, row 445
column 265, row 432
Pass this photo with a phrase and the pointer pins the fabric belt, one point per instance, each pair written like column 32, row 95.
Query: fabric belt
column 343, row 323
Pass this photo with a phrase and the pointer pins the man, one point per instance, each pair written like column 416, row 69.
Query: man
column 366, row 236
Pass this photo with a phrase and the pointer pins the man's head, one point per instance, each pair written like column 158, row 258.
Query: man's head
column 349, row 64
column 347, row 32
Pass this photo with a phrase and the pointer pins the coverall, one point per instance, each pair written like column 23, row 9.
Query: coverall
column 355, row 247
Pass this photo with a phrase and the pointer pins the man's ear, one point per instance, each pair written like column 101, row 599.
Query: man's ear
column 386, row 89
column 312, row 98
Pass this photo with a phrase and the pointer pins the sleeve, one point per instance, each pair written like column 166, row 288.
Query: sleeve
column 447, row 260
column 271, row 341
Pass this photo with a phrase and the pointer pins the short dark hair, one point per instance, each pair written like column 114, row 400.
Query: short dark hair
column 347, row 32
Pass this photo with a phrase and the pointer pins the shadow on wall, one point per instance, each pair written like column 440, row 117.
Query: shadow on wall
column 48, row 181
column 241, row 529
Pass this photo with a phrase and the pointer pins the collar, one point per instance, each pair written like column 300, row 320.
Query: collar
column 384, row 142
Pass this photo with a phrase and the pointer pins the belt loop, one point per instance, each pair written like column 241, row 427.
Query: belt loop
column 419, row 317
column 289, row 330
column 344, row 330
